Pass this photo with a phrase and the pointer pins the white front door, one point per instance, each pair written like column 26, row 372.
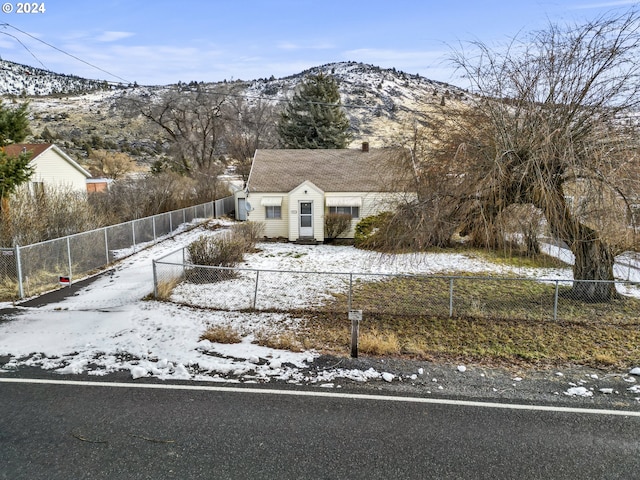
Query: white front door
column 306, row 220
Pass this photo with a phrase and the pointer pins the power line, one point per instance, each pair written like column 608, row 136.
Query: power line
column 26, row 48
column 59, row 50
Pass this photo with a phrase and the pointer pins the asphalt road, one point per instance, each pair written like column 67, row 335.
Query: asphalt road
column 102, row 432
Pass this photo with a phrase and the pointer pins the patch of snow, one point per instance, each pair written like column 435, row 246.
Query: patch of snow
column 388, row 377
column 578, row 392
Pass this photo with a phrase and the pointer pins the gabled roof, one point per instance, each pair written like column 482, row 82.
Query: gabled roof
column 38, row 149
column 339, row 170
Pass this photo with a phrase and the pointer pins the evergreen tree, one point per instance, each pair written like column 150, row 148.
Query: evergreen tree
column 13, row 172
column 14, row 127
column 14, row 124
column 314, row 117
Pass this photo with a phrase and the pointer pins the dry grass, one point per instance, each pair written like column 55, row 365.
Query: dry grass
column 221, row 334
column 484, row 341
column 287, row 340
column 494, row 322
column 166, row 287
column 375, row 342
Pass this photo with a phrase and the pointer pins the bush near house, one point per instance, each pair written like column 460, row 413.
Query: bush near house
column 224, row 250
column 366, row 231
column 335, row 224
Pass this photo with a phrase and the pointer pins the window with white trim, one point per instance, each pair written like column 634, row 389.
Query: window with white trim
column 353, row 211
column 273, row 211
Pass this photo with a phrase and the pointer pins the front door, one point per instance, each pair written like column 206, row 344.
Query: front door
column 306, row 220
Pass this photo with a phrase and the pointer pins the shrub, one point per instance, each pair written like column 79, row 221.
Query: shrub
column 335, row 224
column 366, row 230
column 249, row 232
column 226, row 250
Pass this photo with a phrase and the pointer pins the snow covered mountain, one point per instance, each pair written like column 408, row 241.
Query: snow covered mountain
column 23, row 80
column 76, row 112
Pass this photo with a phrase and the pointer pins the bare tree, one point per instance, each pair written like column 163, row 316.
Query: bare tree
column 115, row 165
column 191, row 120
column 250, row 126
column 553, row 124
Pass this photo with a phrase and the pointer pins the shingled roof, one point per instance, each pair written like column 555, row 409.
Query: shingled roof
column 339, row 170
column 35, row 149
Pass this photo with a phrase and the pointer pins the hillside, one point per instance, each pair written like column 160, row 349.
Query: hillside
column 23, row 80
column 75, row 112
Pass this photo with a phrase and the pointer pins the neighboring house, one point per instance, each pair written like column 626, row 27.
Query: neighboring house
column 97, row 185
column 290, row 191
column 52, row 168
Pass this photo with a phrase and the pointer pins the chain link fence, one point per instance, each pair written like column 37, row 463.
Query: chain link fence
column 234, row 289
column 28, row 270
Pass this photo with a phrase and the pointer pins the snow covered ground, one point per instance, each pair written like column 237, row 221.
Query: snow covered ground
column 108, row 326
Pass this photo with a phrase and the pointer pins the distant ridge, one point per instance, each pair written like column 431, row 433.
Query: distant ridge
column 81, row 114
column 23, row 80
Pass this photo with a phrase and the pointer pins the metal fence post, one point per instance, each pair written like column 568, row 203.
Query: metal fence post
column 106, row 243
column 155, row 280
column 19, row 272
column 154, row 228
column 133, row 234
column 69, row 257
column 355, row 316
column 255, row 293
column 555, row 303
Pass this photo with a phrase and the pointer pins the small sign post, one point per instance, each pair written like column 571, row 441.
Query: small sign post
column 64, row 281
column 355, row 316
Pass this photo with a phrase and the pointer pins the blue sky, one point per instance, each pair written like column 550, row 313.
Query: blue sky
column 157, row 42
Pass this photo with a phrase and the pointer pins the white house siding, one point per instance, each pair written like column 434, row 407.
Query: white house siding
column 372, row 204
column 53, row 170
column 273, row 228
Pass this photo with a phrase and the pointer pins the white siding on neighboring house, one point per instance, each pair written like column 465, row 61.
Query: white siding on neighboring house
column 52, row 169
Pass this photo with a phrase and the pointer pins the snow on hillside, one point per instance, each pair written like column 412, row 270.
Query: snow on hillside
column 377, row 101
column 17, row 79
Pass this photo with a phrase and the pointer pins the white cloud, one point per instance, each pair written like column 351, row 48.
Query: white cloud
column 295, row 46
column 113, row 36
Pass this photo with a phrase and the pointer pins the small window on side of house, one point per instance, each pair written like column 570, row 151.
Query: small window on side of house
column 273, row 211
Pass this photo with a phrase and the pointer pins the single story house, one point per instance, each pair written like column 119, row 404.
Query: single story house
column 51, row 167
column 291, row 191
